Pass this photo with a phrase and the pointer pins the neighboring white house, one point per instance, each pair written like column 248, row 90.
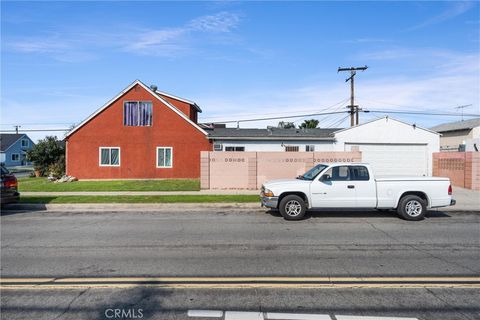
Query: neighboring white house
column 391, row 146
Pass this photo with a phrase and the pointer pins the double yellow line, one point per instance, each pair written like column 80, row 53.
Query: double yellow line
column 240, row 282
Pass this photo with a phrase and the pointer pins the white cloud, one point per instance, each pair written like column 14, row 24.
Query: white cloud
column 172, row 41
column 454, row 9
column 74, row 45
column 220, row 22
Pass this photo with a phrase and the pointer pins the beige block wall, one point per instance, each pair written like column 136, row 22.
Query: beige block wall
column 462, row 168
column 249, row 170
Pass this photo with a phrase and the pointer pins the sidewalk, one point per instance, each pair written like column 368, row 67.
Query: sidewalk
column 467, row 200
column 141, row 193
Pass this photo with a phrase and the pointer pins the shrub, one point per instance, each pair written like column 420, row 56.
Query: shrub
column 47, row 152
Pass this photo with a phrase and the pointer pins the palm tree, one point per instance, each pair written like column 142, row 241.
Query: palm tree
column 309, row 124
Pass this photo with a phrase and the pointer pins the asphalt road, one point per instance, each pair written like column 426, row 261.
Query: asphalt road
column 229, row 242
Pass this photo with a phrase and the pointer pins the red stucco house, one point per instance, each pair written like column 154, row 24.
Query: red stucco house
column 141, row 133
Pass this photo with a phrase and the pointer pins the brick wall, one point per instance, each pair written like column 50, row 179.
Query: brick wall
column 463, row 168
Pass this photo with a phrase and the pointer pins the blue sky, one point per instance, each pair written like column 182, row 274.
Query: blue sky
column 63, row 60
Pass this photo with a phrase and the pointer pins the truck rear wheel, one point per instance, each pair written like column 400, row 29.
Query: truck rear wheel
column 412, row 208
column 292, row 207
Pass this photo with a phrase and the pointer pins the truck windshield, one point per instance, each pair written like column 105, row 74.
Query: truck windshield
column 312, row 173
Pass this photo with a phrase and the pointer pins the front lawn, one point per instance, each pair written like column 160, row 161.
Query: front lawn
column 43, row 185
column 143, row 199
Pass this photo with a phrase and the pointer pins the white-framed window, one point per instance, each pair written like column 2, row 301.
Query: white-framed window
column 25, row 143
column 309, row 147
column 109, row 156
column 217, row 147
column 235, row 148
column 137, row 113
column 15, row 157
column 164, row 157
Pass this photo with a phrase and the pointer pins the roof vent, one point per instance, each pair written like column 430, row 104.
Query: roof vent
column 153, row 87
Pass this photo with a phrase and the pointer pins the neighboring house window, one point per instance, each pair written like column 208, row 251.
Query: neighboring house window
column 217, row 147
column 164, row 157
column 137, row 113
column 292, row 148
column 25, row 143
column 309, row 147
column 109, row 156
column 234, row 148
column 15, row 157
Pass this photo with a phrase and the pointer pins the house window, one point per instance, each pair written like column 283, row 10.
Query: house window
column 25, row 143
column 292, row 148
column 234, row 148
column 137, row 113
column 15, row 157
column 217, row 147
column 309, row 147
column 109, row 156
column 164, row 157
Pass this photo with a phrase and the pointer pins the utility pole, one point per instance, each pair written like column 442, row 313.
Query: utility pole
column 353, row 107
column 16, row 129
column 463, row 107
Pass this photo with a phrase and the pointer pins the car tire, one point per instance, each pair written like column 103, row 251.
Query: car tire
column 412, row 208
column 292, row 207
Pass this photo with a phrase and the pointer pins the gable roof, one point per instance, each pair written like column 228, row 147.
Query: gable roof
column 136, row 82
column 271, row 134
column 387, row 118
column 457, row 125
column 190, row 102
column 9, row 139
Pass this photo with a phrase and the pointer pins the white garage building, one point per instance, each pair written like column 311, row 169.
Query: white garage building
column 391, row 146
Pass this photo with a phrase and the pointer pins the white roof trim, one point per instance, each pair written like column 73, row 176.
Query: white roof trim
column 383, row 118
column 106, row 105
column 193, row 103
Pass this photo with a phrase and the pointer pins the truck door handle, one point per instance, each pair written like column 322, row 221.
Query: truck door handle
column 351, row 187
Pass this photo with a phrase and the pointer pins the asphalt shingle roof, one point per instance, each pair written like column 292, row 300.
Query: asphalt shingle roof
column 7, row 139
column 270, row 133
column 458, row 125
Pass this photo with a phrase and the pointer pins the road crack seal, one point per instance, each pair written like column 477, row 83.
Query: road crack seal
column 71, row 302
column 447, row 304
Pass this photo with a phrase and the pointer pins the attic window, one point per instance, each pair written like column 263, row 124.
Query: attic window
column 137, row 113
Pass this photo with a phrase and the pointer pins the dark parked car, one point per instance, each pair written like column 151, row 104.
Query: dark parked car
column 9, row 191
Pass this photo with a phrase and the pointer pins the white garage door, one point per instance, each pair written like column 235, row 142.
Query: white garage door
column 394, row 159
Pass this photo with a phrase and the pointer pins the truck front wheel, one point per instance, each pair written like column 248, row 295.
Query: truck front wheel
column 292, row 207
column 412, row 207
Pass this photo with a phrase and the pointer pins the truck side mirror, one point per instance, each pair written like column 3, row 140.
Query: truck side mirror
column 326, row 177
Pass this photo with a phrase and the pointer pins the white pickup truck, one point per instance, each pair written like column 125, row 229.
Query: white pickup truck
column 341, row 185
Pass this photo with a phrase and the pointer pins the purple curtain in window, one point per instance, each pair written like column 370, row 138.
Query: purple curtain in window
column 137, row 113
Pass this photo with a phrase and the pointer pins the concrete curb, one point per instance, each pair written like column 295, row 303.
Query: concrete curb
column 130, row 206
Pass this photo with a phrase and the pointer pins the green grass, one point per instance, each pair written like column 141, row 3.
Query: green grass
column 42, row 184
column 143, row 199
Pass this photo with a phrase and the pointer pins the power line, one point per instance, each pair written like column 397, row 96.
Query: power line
column 276, row 113
column 35, row 130
column 281, row 117
column 422, row 113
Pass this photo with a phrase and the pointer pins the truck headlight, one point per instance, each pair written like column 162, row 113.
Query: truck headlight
column 268, row 193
